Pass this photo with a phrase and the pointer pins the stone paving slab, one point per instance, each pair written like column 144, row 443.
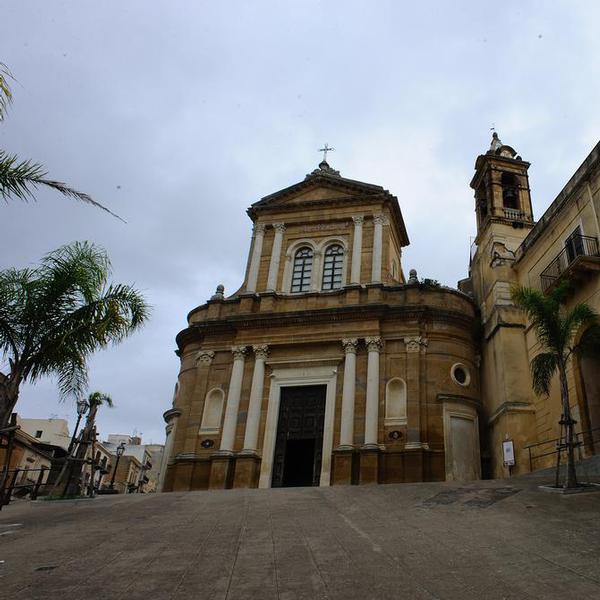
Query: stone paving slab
column 491, row 540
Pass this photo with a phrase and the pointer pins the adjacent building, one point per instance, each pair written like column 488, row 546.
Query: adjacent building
column 48, row 431
column 511, row 248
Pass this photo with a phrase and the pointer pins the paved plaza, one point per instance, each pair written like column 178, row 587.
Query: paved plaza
column 487, row 540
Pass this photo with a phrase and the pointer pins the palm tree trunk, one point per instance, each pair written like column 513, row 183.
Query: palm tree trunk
column 9, row 394
column 571, row 476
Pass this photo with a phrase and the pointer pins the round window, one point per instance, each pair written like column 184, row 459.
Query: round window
column 460, row 374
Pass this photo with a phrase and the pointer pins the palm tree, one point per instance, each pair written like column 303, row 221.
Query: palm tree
column 556, row 328
column 54, row 316
column 94, row 401
column 20, row 178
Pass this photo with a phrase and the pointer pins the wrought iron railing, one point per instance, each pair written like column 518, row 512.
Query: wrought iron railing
column 577, row 245
column 13, row 482
column 553, row 447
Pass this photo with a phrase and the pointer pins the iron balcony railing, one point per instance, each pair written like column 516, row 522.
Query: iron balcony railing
column 576, row 246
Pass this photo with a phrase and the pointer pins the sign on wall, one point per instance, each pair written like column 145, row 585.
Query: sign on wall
column 508, row 452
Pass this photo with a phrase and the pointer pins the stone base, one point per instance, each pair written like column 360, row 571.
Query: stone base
column 369, row 466
column 220, row 472
column 247, row 467
column 182, row 476
column 342, row 466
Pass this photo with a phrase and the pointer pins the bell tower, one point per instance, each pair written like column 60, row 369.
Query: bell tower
column 501, row 184
column 504, row 218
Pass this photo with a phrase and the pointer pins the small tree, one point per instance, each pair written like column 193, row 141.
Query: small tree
column 19, row 178
column 55, row 316
column 73, row 465
column 555, row 328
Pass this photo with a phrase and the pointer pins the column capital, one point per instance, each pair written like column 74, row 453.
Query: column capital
column 239, row 352
column 261, row 351
column 205, row 357
column 350, row 345
column 279, row 227
column 416, row 344
column 358, row 219
column 374, row 344
column 259, row 228
column 380, row 218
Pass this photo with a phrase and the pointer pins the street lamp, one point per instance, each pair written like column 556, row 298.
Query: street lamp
column 120, row 450
column 82, row 407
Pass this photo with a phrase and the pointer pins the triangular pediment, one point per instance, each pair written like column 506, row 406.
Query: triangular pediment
column 317, row 187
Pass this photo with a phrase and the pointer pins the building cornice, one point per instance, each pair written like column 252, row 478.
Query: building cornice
column 379, row 311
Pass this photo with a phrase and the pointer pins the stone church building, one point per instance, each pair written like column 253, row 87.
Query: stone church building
column 329, row 366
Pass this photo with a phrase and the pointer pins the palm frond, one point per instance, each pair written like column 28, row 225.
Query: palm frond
column 579, row 316
column 543, row 367
column 5, row 92
column 543, row 311
column 99, row 399
column 20, row 178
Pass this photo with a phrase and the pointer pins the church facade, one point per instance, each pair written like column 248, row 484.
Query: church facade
column 329, row 366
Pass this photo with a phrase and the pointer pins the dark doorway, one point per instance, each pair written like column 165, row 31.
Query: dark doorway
column 299, row 445
column 299, row 463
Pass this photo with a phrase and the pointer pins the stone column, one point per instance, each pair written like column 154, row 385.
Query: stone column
column 378, row 221
column 275, row 256
column 259, row 234
column 233, row 399
column 348, row 394
column 369, row 453
column 343, row 454
column 416, row 346
column 248, row 461
column 222, row 461
column 171, row 417
column 356, row 249
column 374, row 345
column 256, row 394
column 317, row 273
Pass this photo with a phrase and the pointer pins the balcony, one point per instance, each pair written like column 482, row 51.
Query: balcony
column 514, row 214
column 579, row 255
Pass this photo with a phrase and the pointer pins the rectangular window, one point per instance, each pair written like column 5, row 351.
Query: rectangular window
column 38, row 433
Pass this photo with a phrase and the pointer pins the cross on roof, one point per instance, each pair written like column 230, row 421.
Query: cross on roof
column 325, row 150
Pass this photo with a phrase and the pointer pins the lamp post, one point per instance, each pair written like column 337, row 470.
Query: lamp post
column 120, row 450
column 82, row 407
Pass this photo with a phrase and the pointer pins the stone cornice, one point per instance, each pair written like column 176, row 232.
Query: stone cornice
column 172, row 412
column 381, row 311
column 511, row 407
column 235, row 299
column 375, row 198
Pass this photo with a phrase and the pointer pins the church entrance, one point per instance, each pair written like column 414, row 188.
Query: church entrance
column 299, row 442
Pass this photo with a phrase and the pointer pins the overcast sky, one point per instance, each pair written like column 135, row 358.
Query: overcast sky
column 178, row 115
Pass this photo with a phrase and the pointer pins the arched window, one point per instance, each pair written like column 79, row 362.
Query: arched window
column 395, row 402
column 510, row 191
column 332, row 267
column 213, row 408
column 303, row 261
